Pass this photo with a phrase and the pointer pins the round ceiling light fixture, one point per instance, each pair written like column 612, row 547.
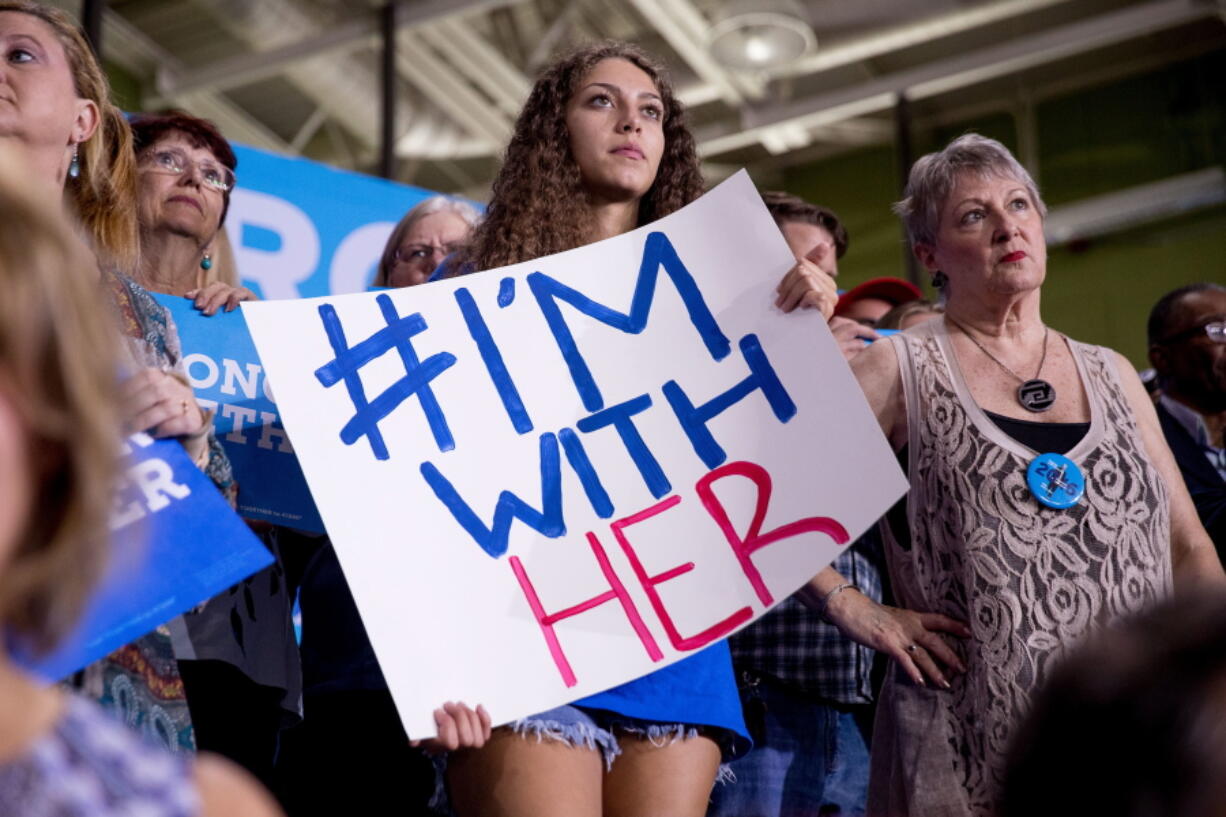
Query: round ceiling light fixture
column 753, row 35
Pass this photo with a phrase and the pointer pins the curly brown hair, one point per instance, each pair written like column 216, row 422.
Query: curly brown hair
column 537, row 203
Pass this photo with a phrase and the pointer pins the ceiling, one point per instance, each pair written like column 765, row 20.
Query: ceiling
column 302, row 76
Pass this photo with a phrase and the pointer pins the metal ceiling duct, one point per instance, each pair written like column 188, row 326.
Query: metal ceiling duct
column 342, row 85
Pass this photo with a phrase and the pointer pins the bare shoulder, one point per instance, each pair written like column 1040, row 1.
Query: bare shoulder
column 227, row 790
column 1134, row 389
column 876, row 369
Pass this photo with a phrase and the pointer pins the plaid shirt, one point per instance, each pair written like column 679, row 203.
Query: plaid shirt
column 792, row 644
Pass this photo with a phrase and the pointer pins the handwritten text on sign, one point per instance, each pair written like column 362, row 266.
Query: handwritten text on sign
column 475, row 445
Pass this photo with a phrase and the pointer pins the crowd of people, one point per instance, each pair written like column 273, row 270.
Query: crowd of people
column 949, row 662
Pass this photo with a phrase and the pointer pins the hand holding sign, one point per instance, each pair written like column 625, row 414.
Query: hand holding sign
column 161, row 404
column 807, row 285
column 458, row 726
column 219, row 295
column 580, row 468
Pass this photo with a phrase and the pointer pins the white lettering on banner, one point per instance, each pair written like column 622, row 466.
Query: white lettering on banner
column 233, row 379
column 191, row 364
column 277, row 272
column 356, row 255
column 153, row 481
column 234, row 420
column 241, row 415
column 272, row 432
column 232, row 375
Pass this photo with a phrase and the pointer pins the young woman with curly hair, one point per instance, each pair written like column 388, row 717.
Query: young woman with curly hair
column 559, row 189
column 600, row 148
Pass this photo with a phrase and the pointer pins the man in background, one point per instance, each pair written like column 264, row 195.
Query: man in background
column 1187, row 348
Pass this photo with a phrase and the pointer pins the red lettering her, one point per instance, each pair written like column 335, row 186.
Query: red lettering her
column 712, row 633
column 744, row 549
column 754, row 538
column 548, row 620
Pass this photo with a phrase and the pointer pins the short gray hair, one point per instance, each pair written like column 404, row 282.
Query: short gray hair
column 427, row 207
column 933, row 177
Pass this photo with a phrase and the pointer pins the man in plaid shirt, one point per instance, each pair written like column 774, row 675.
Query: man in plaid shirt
column 803, row 684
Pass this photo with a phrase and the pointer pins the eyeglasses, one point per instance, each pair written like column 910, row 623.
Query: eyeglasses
column 176, row 162
column 417, row 253
column 1216, row 330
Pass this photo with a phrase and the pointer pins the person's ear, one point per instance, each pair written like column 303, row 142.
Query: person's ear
column 926, row 255
column 1159, row 360
column 85, row 124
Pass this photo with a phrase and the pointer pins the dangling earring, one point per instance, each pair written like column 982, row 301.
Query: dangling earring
column 74, row 167
column 939, row 279
column 206, row 263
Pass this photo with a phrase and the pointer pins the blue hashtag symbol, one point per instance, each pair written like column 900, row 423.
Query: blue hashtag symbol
column 416, row 381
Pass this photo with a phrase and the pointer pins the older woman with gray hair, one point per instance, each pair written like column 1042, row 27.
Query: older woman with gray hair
column 1044, row 500
column 432, row 230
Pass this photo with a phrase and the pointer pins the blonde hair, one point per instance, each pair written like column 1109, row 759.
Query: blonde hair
column 58, row 370
column 428, row 207
column 104, row 195
column 225, row 267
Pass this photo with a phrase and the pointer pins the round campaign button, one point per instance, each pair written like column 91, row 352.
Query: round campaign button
column 1055, row 481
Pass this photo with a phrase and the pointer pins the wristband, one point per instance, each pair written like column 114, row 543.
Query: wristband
column 821, row 611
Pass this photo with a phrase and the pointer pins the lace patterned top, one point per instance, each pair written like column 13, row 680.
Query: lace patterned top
column 90, row 765
column 1030, row 581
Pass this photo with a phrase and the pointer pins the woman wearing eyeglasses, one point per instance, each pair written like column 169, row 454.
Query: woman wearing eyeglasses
column 186, row 175
column 431, row 231
column 236, row 653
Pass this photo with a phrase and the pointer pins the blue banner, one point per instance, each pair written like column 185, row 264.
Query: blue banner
column 175, row 543
column 300, row 228
column 225, row 372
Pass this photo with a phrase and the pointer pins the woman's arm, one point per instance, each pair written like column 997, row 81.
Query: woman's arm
column 876, row 370
column 910, row 638
column 1193, row 558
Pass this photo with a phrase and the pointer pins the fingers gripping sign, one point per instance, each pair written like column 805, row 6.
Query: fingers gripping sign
column 807, row 285
column 459, row 727
column 219, row 295
column 162, row 405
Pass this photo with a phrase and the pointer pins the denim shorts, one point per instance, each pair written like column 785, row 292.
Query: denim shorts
column 598, row 729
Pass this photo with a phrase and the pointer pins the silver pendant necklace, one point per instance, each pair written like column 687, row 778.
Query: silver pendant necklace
column 1034, row 394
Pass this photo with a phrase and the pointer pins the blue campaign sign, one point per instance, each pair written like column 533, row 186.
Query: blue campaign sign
column 175, row 542
column 224, row 369
column 300, row 228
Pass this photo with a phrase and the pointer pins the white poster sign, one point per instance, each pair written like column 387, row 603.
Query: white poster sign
column 549, row 479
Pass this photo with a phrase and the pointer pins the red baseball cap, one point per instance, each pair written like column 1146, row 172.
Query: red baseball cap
column 895, row 290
